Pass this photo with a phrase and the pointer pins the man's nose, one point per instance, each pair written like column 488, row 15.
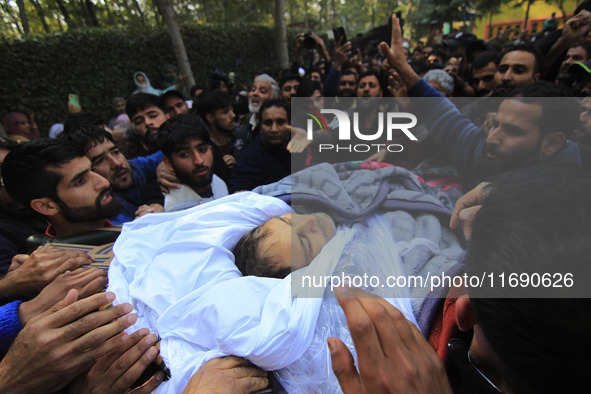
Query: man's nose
column 493, row 136
column 275, row 127
column 114, row 161
column 100, row 181
column 198, row 158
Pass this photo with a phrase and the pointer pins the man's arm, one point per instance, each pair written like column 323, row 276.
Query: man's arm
column 29, row 274
column 116, row 372
column 392, row 354
column 227, row 375
column 148, row 164
column 16, row 315
column 63, row 343
column 452, row 131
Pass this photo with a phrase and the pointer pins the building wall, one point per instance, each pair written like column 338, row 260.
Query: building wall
column 514, row 17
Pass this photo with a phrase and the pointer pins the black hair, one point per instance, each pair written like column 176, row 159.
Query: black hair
column 272, row 103
column 178, row 130
column 312, row 70
column 349, row 72
column 539, row 58
column 172, row 93
column 373, row 73
column 535, row 220
column 78, row 120
column 289, row 77
column 586, row 45
column 88, row 137
column 554, row 99
column 24, row 170
column 307, row 87
column 250, row 260
column 141, row 101
column 485, row 58
column 212, row 102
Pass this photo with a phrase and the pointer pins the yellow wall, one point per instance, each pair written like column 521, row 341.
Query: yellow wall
column 514, row 17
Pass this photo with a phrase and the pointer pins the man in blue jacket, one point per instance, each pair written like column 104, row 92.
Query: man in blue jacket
column 133, row 181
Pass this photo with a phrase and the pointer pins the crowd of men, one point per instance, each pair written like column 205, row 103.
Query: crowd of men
column 185, row 147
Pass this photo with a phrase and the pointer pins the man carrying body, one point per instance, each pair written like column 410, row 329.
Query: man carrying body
column 55, row 179
column 496, row 338
column 133, row 181
column 187, row 149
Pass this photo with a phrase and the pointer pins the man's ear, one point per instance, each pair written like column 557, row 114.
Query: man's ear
column 552, row 143
column 536, row 77
column 209, row 119
column 168, row 163
column 169, row 115
column 465, row 316
column 45, row 206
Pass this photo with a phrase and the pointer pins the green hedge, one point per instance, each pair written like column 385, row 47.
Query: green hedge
column 39, row 72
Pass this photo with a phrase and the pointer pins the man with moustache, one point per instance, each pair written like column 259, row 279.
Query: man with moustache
column 267, row 159
column 533, row 125
column 263, row 88
column 55, row 179
column 133, row 181
column 228, row 138
column 521, row 64
column 187, row 149
column 146, row 113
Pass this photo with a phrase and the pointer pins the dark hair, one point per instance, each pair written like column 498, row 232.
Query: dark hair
column 586, row 45
column 539, row 58
column 484, row 59
column 313, row 70
column 373, row 73
column 307, row 87
column 554, row 99
column 250, row 259
column 142, row 101
column 272, row 103
column 88, row 137
column 172, row 93
column 289, row 77
column 24, row 170
column 178, row 130
column 535, row 220
column 78, row 120
column 217, row 77
column 240, row 105
column 349, row 72
column 212, row 102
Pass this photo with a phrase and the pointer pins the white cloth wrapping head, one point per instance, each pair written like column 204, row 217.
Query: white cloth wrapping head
column 178, row 272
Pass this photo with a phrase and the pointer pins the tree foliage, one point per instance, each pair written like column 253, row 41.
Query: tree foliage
column 39, row 72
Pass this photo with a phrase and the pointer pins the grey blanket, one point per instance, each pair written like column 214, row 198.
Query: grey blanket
column 418, row 218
